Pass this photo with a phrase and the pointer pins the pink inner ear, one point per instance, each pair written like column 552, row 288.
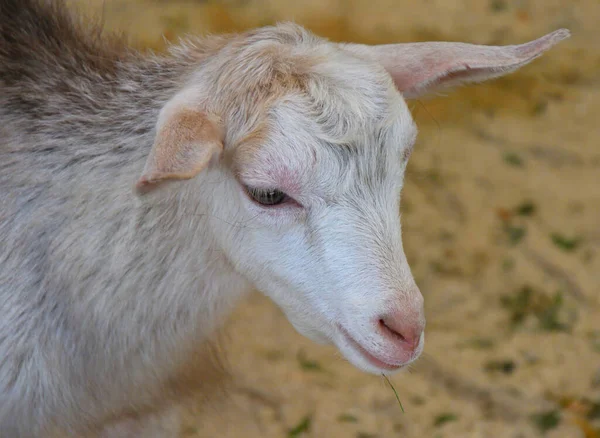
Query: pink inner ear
column 438, row 77
column 185, row 143
column 419, row 68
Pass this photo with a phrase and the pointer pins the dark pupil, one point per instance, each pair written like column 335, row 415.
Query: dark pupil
column 268, row 197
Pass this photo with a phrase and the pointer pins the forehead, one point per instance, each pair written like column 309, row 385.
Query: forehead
column 285, row 72
column 353, row 100
column 346, row 117
column 326, row 144
column 350, row 108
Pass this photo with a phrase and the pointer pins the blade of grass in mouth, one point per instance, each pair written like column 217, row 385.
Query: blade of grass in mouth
column 395, row 392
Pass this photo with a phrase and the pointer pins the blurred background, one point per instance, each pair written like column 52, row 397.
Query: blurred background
column 501, row 220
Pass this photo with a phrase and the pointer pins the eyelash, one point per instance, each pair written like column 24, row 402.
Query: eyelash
column 267, row 197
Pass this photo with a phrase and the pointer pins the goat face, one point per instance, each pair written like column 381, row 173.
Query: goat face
column 317, row 189
column 313, row 139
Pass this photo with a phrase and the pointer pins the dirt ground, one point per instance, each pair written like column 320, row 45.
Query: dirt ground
column 501, row 219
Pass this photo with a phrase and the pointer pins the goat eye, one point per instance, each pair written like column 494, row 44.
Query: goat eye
column 268, row 197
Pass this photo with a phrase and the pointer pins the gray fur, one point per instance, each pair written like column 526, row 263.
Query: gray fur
column 86, row 270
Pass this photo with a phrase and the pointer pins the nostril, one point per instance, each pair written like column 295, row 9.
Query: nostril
column 391, row 331
column 403, row 329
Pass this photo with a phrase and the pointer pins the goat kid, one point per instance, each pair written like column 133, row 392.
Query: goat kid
column 142, row 196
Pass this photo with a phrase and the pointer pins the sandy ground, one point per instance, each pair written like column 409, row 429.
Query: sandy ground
column 501, row 217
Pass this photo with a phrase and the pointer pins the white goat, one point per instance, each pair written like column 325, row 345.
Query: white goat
column 272, row 159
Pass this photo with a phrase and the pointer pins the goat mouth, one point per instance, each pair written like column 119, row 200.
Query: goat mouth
column 373, row 360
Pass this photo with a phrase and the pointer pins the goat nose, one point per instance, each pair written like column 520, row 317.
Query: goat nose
column 404, row 331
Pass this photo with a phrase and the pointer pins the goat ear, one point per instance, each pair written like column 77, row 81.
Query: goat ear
column 419, row 68
column 186, row 141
